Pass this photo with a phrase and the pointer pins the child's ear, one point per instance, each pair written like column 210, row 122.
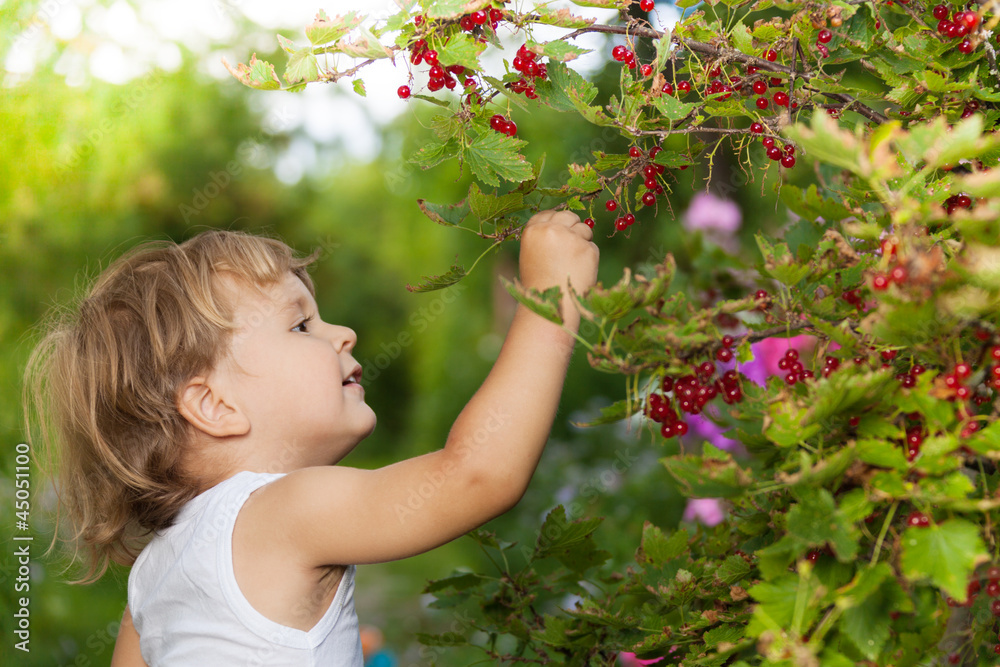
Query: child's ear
column 207, row 409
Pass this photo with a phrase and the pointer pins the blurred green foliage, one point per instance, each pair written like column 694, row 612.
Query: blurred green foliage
column 87, row 172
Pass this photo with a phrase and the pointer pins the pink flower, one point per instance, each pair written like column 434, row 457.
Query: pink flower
column 709, row 212
column 706, row 510
column 706, row 429
column 629, row 660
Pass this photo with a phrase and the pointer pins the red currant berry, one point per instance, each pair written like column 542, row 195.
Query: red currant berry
column 767, row 141
column 966, row 46
column 646, row 5
column 971, row 19
column 620, row 224
column 824, row 36
column 684, row 87
column 918, row 519
column 480, row 17
column 634, row 151
column 993, row 588
column 618, row 53
column 880, row 282
column 759, row 87
column 774, row 153
column 403, row 92
column 681, row 427
column 823, row 50
column 727, row 341
column 724, row 355
column 781, row 99
column 756, row 128
column 496, row 14
column 431, row 57
column 940, row 12
column 649, row 199
column 511, row 128
column 963, row 370
column 898, row 275
column 668, row 89
column 760, row 294
column 788, row 161
column 629, row 219
column 498, row 122
column 646, row 70
column 762, row 103
column 589, row 222
column 995, row 607
column 611, row 205
column 771, row 55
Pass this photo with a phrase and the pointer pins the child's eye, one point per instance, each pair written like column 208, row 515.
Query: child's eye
column 302, row 326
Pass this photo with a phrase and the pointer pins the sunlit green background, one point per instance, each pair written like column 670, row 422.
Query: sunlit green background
column 90, row 169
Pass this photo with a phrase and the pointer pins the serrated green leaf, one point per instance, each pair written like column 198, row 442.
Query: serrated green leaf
column 431, row 283
column 657, row 549
column 302, row 66
column 545, row 303
column 449, row 215
column 435, row 153
column 724, row 634
column 461, row 49
column 359, row 87
column 742, row 39
column 562, row 17
column 672, row 109
column 489, row 207
column 615, row 412
column 258, row 74
column 459, row 582
column 714, row 475
column 324, row 30
column 558, row 50
column 816, row 521
column 452, row 9
column 493, row 156
column 945, row 553
column 571, row 542
column 732, row 570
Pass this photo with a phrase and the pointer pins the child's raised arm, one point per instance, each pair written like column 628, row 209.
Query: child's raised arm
column 339, row 515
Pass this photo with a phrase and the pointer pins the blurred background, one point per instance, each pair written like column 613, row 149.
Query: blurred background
column 118, row 124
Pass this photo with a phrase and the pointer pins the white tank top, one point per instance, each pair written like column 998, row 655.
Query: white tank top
column 189, row 610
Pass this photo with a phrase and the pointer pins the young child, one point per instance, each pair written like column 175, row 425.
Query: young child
column 200, row 405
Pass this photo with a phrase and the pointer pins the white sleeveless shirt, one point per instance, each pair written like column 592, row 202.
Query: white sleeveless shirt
column 189, row 610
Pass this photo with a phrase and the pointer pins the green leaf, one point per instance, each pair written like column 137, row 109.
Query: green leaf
column 724, row 634
column 461, row 49
column 544, row 303
column 558, row 50
column 359, row 87
column 571, row 542
column 452, row 9
column 258, row 74
column 562, row 17
column 815, row 520
column 615, row 412
column 714, row 475
column 443, row 639
column 324, row 30
column 945, row 553
column 431, row 283
column 733, row 570
column 742, row 38
column 672, row 109
column 489, row 207
column 458, row 582
column 444, row 214
column 302, row 66
column 434, row 153
column 657, row 549
column 493, row 156
column 811, row 205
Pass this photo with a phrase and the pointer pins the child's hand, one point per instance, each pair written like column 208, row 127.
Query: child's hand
column 556, row 249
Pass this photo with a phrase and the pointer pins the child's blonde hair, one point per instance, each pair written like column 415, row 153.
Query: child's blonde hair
column 101, row 388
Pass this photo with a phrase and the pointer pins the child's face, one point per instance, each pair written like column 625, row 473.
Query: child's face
column 295, row 377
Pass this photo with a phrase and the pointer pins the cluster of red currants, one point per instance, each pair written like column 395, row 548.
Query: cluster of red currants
column 691, row 393
column 440, row 77
column 897, row 274
column 786, row 155
column 651, row 173
column 823, row 38
column 525, row 63
column 918, row 519
column 624, row 55
column 470, row 22
column 796, row 371
column 853, row 297
column 503, row 125
column 961, row 200
column 961, row 24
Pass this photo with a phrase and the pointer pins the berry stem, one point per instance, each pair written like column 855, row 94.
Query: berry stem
column 882, row 533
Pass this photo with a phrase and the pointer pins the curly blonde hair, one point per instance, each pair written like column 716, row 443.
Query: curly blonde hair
column 101, row 388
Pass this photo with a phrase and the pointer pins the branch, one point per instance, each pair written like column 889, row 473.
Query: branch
column 732, row 54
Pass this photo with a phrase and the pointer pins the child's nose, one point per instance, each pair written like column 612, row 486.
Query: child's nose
column 344, row 338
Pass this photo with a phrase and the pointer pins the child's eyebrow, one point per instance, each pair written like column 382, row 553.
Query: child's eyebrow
column 299, row 303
